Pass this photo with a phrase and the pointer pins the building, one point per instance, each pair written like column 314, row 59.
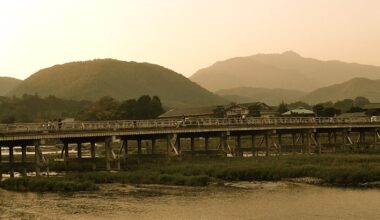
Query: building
column 299, row 112
column 372, row 108
column 219, row 111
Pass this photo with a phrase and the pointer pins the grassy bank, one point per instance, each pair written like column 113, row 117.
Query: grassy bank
column 341, row 170
column 47, row 184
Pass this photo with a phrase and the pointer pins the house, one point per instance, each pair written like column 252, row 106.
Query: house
column 372, row 108
column 299, row 112
column 219, row 111
column 352, row 115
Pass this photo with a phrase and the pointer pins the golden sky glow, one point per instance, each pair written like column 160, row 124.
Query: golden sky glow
column 183, row 35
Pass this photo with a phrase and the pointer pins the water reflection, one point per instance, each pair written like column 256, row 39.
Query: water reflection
column 237, row 201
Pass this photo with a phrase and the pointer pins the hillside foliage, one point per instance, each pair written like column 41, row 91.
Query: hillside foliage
column 91, row 80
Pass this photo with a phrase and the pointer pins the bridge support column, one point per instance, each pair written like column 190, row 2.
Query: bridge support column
column 253, row 142
column 1, row 168
column 37, row 158
column 139, row 150
column 178, row 143
column 11, row 162
column 238, row 146
column 280, row 143
column 207, row 144
column 334, row 141
column 308, row 140
column 66, row 154
column 23, row 160
column 107, row 145
column 79, row 150
column 303, row 142
column 192, row 146
column 124, row 151
column 375, row 138
column 266, row 138
column 93, row 155
column 293, row 142
column 362, row 139
column 317, row 142
column 154, row 142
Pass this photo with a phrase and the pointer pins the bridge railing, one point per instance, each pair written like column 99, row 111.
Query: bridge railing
column 180, row 123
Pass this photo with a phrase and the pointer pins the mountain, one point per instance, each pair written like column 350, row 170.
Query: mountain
column 287, row 70
column 119, row 79
column 7, row 84
column 349, row 89
column 268, row 96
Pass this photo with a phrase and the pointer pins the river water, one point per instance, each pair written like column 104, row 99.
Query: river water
column 238, row 201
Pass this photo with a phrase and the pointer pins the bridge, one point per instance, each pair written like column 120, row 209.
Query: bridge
column 109, row 144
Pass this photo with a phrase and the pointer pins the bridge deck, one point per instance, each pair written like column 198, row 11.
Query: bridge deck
column 35, row 131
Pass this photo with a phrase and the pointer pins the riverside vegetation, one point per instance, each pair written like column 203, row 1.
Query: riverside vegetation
column 347, row 170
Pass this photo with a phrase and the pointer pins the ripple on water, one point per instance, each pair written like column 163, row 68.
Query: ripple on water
column 242, row 200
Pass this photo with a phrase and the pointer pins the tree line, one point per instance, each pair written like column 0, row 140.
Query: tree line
column 326, row 109
column 34, row 108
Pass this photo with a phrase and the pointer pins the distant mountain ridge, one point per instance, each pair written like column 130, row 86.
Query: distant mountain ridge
column 7, row 84
column 119, row 79
column 287, row 70
column 268, row 96
column 349, row 89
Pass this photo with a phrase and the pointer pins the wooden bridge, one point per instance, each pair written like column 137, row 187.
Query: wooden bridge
column 120, row 140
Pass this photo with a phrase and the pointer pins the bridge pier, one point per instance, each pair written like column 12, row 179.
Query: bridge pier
column 93, row 155
column 11, row 162
column 38, row 158
column 266, row 139
column 238, row 152
column 23, row 160
column 79, row 150
column 1, row 168
column 178, row 144
column 107, row 146
column 154, row 143
column 280, row 143
column 66, row 153
column 207, row 143
column 192, row 146
column 253, row 143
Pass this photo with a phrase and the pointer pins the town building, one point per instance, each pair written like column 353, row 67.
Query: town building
column 219, row 111
column 299, row 112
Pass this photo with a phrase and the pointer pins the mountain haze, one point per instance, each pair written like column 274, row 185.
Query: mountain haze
column 287, row 70
column 119, row 79
column 7, row 84
column 349, row 89
column 269, row 96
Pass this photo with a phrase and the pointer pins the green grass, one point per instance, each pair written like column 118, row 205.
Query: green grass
column 47, row 184
column 333, row 169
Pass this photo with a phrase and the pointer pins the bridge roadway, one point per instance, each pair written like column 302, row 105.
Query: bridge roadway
column 271, row 130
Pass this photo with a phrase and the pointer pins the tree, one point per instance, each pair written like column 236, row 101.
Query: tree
column 254, row 110
column 143, row 108
column 318, row 109
column 355, row 109
column 344, row 105
column 330, row 112
column 282, row 108
column 361, row 101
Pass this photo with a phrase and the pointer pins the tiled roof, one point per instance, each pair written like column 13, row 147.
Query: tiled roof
column 206, row 110
column 372, row 106
column 299, row 111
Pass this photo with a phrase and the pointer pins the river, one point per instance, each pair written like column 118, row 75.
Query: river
column 242, row 200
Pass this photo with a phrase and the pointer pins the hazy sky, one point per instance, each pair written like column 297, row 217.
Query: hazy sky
column 183, row 35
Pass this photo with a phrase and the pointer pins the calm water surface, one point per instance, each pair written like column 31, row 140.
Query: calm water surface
column 238, row 201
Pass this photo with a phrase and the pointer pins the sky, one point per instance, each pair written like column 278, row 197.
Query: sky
column 183, row 35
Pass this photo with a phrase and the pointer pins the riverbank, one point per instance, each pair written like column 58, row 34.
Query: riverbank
column 347, row 170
